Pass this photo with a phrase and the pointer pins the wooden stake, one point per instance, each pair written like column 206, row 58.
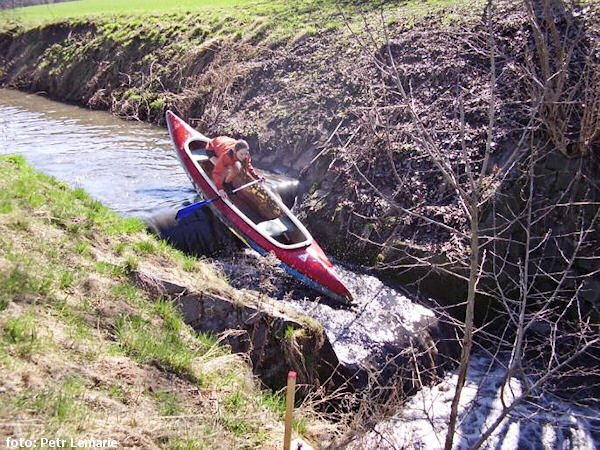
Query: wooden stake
column 289, row 408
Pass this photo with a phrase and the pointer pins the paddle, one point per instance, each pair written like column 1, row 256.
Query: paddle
column 193, row 207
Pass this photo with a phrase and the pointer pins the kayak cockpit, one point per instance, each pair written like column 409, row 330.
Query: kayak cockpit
column 260, row 208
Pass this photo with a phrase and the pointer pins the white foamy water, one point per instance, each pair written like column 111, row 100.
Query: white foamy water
column 381, row 319
column 541, row 423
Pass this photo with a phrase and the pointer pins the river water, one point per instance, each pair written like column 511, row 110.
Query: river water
column 132, row 168
column 127, row 166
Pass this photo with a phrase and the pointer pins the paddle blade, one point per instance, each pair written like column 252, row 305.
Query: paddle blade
column 184, row 212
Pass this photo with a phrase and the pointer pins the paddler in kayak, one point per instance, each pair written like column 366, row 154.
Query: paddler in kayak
column 229, row 157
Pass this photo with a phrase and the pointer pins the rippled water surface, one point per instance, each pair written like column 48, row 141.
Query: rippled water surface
column 129, row 166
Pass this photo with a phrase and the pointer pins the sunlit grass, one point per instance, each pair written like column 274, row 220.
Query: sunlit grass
column 58, row 403
column 22, row 280
column 20, row 335
column 58, row 11
column 163, row 345
column 212, row 15
column 169, row 403
column 252, row 20
column 71, row 318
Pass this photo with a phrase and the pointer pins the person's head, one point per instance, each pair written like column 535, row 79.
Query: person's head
column 242, row 150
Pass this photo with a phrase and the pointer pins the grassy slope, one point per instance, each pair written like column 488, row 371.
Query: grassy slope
column 281, row 18
column 84, row 353
column 234, row 13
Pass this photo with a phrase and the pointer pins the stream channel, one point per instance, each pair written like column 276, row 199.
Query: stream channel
column 132, row 168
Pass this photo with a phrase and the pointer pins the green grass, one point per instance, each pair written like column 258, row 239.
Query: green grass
column 275, row 402
column 76, row 323
column 21, row 280
column 66, row 279
column 210, row 16
column 126, row 291
column 106, row 268
column 59, row 11
column 20, row 334
column 164, row 345
column 83, row 248
column 131, row 264
column 171, row 316
column 145, row 247
column 189, row 263
column 79, row 341
column 58, row 403
column 169, row 403
column 187, row 21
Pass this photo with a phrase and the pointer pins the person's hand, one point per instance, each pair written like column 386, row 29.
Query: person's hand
column 222, row 194
column 228, row 187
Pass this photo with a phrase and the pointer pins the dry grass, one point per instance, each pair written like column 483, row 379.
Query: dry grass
column 85, row 354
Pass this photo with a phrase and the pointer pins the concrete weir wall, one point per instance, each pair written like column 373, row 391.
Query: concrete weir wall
column 275, row 341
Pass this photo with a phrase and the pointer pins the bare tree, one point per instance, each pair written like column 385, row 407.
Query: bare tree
column 529, row 244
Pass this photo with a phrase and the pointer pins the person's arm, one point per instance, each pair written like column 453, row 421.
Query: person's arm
column 210, row 148
column 210, row 151
column 218, row 173
column 231, row 171
column 252, row 171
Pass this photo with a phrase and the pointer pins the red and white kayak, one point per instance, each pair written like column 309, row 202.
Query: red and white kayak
column 258, row 216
